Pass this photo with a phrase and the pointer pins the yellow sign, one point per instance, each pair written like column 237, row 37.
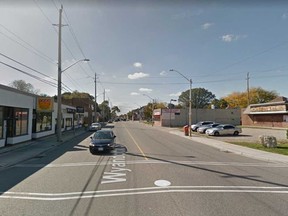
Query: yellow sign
column 44, row 104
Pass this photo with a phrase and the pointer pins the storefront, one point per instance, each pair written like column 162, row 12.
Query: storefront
column 25, row 116
column 272, row 114
column 43, row 124
column 16, row 112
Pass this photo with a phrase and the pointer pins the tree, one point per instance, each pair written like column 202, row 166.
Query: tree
column 200, row 97
column 257, row 95
column 114, row 110
column 76, row 94
column 105, row 110
column 220, row 104
column 23, row 86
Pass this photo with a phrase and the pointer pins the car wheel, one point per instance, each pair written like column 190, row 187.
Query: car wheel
column 216, row 133
column 92, row 151
column 236, row 133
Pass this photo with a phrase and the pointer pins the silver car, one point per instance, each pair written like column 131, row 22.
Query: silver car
column 194, row 127
column 203, row 128
column 95, row 127
column 224, row 129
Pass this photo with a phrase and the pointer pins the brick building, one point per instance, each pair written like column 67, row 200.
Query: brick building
column 85, row 109
column 271, row 114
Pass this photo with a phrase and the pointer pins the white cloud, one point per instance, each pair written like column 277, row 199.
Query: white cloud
column 137, row 75
column 134, row 93
column 175, row 94
column 145, row 90
column 137, row 65
column 163, row 73
column 284, row 16
column 230, row 37
column 207, row 25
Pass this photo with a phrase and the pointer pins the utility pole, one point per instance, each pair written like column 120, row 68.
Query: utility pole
column 104, row 105
column 95, row 106
column 59, row 101
column 248, row 90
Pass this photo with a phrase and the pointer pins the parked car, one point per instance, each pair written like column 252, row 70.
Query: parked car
column 224, row 129
column 102, row 141
column 95, row 127
column 194, row 127
column 203, row 128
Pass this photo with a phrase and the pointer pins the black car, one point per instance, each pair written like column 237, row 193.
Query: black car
column 102, row 141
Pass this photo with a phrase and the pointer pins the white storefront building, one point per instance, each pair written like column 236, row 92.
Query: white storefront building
column 25, row 116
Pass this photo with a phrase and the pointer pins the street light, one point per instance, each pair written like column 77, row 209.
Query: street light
column 170, row 111
column 59, row 99
column 190, row 99
column 152, row 105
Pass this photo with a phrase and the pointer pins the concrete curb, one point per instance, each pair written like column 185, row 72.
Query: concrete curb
column 25, row 151
column 236, row 149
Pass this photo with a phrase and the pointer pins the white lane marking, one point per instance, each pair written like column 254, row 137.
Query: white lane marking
column 162, row 183
column 167, row 190
column 204, row 163
column 139, row 191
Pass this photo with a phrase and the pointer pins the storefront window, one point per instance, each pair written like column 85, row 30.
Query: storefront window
column 21, row 121
column 44, row 121
column 68, row 122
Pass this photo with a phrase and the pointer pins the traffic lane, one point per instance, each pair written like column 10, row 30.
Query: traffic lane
column 160, row 144
column 134, row 179
column 193, row 189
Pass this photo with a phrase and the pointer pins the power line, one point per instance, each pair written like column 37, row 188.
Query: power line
column 34, row 51
column 52, row 78
column 66, row 46
column 31, row 75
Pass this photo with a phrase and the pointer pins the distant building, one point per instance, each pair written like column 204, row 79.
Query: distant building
column 85, row 109
column 180, row 117
column 271, row 114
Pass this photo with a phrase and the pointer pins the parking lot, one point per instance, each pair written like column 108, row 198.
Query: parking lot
column 252, row 134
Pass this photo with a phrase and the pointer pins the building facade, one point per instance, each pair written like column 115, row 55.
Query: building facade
column 272, row 114
column 180, row 117
column 25, row 116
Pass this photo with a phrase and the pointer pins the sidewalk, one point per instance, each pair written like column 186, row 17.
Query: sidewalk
column 12, row 155
column 236, row 149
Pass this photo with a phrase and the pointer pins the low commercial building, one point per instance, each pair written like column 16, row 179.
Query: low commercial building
column 25, row 116
column 271, row 114
column 180, row 117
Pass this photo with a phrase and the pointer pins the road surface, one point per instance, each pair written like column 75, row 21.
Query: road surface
column 152, row 172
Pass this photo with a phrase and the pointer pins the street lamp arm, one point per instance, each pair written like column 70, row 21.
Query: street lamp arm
column 148, row 97
column 75, row 64
column 189, row 80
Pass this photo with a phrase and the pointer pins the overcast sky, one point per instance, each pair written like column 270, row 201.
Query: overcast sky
column 132, row 45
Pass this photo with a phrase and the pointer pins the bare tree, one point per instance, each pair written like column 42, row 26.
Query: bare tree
column 23, row 86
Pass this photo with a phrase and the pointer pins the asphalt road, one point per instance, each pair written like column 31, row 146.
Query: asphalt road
column 152, row 172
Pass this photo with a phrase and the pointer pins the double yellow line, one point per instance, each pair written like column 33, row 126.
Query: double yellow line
column 136, row 144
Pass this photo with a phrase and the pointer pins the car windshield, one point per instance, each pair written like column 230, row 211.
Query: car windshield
column 95, row 124
column 103, row 135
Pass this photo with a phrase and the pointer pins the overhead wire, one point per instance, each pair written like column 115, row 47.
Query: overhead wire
column 75, row 38
column 62, row 41
column 33, row 50
column 49, row 77
column 31, row 75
